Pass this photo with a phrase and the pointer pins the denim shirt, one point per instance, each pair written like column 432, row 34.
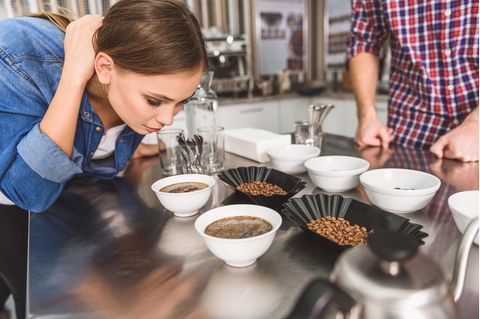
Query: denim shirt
column 33, row 169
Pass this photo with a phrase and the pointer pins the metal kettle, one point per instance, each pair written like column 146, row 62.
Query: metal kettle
column 387, row 278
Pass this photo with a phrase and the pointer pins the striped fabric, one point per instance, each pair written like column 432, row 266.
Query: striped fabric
column 434, row 68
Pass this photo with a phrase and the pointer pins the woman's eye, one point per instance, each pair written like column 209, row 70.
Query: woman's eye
column 154, row 102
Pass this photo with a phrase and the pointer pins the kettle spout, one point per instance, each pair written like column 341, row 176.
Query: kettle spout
column 462, row 258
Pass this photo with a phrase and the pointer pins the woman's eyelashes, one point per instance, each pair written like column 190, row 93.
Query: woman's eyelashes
column 154, row 102
column 157, row 103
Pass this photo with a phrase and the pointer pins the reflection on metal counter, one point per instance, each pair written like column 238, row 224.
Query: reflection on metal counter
column 109, row 249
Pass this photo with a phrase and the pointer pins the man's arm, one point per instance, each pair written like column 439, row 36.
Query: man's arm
column 461, row 143
column 368, row 33
column 364, row 71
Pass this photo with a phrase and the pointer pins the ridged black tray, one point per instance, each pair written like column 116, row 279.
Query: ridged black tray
column 236, row 176
column 310, row 207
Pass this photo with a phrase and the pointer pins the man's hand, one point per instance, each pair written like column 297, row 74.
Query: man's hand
column 461, row 143
column 371, row 132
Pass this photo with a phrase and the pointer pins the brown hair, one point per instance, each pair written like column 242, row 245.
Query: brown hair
column 147, row 36
column 152, row 37
column 61, row 20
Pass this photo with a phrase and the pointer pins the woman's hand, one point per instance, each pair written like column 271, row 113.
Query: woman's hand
column 78, row 45
column 60, row 120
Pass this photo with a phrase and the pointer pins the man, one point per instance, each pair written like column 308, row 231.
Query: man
column 433, row 88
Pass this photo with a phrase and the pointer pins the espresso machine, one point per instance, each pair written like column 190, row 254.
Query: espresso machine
column 227, row 57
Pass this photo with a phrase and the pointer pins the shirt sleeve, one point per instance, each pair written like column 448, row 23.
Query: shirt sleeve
column 368, row 27
column 46, row 159
column 33, row 169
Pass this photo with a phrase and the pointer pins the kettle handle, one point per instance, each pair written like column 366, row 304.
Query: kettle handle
column 462, row 258
column 317, row 298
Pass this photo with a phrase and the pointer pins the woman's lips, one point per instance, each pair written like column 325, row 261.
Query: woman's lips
column 152, row 129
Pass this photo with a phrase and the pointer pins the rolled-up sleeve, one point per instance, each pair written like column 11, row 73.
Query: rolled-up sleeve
column 28, row 190
column 46, row 159
column 368, row 27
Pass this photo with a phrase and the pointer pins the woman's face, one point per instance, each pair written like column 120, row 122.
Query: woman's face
column 146, row 103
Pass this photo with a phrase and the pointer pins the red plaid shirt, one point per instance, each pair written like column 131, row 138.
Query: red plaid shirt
column 434, row 68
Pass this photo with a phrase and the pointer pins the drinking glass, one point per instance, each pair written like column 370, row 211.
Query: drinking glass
column 213, row 148
column 304, row 133
column 169, row 151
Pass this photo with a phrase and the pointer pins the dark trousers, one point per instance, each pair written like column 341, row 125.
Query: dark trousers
column 13, row 257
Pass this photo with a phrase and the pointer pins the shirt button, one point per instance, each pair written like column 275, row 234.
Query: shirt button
column 448, row 52
column 98, row 129
column 86, row 114
column 448, row 13
column 121, row 140
column 91, row 153
column 450, row 87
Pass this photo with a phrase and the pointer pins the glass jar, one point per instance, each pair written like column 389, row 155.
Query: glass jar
column 201, row 110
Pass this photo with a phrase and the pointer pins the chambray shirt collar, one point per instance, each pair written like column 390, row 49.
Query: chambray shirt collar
column 88, row 115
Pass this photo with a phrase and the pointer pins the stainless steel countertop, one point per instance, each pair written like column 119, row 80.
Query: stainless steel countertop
column 107, row 249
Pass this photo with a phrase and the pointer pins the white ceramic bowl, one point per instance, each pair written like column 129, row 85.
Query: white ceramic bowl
column 184, row 204
column 290, row 159
column 399, row 190
column 464, row 207
column 336, row 173
column 238, row 252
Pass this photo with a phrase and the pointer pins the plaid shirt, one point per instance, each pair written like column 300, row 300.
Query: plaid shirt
column 434, row 68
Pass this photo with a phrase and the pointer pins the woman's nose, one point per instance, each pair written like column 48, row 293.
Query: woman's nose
column 165, row 115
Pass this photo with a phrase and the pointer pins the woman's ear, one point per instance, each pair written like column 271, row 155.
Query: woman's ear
column 103, row 68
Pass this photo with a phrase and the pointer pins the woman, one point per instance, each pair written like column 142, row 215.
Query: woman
column 80, row 102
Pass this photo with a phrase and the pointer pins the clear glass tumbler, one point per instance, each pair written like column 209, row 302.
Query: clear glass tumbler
column 304, row 133
column 213, row 148
column 169, row 151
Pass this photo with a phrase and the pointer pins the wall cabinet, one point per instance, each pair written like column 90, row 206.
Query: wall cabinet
column 262, row 115
column 342, row 120
column 292, row 110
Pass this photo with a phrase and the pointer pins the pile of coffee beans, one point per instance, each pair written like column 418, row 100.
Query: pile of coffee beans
column 339, row 230
column 256, row 188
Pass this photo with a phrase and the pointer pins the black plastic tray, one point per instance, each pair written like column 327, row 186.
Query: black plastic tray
column 302, row 210
column 236, row 176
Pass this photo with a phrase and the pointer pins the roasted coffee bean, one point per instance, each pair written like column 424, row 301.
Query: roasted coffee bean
column 339, row 230
column 256, row 188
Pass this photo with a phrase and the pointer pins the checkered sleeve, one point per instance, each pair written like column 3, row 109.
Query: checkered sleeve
column 368, row 27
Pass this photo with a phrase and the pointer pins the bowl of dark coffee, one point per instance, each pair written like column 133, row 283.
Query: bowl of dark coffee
column 184, row 194
column 238, row 234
